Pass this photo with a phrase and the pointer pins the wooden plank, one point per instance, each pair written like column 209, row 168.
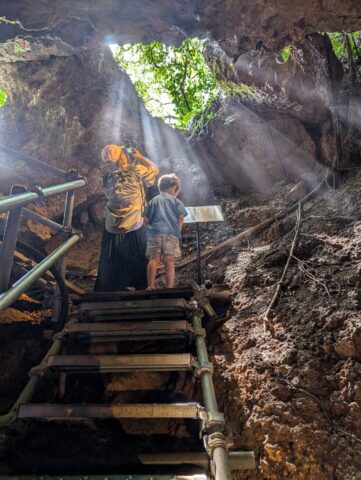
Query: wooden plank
column 181, row 292
column 82, row 412
column 122, row 363
column 115, row 316
column 127, row 306
column 126, row 330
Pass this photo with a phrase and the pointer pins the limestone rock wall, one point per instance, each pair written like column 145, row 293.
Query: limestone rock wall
column 238, row 25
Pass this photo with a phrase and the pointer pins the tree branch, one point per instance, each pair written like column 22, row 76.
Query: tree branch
column 267, row 323
column 181, row 87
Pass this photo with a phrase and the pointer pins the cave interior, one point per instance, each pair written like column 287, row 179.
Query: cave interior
column 276, row 145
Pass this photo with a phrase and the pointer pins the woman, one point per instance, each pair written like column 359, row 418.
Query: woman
column 122, row 263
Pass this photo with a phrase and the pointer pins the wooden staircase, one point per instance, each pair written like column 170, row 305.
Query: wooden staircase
column 97, row 342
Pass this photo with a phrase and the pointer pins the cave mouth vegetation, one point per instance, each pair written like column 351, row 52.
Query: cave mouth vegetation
column 257, row 110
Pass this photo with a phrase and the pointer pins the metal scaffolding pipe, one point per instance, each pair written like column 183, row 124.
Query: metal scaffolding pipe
column 30, row 388
column 36, row 217
column 9, row 241
column 22, row 199
column 67, row 221
column 237, row 460
column 209, row 396
column 218, row 450
column 19, row 287
column 33, row 161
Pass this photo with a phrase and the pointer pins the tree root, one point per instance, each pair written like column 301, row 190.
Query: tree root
column 267, row 323
column 332, row 423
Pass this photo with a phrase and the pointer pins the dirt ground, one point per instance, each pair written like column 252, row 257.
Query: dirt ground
column 294, row 396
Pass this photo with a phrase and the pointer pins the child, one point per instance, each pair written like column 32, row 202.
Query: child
column 164, row 216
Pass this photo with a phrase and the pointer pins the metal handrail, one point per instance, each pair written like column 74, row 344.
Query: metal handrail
column 19, row 287
column 22, row 199
column 14, row 205
column 36, row 217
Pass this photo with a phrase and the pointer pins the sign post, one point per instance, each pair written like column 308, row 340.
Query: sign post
column 198, row 215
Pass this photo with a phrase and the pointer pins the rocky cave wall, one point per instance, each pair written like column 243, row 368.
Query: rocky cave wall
column 242, row 27
column 67, row 99
column 62, row 110
column 283, row 130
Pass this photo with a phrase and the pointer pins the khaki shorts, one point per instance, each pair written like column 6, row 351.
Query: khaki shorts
column 164, row 245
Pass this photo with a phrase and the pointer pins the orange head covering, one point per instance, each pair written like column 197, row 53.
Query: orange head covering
column 116, row 154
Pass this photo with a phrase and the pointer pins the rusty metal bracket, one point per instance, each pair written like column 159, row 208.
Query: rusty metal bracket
column 214, row 440
column 39, row 191
column 60, row 335
column 43, row 371
column 215, row 419
column 201, row 297
column 71, row 231
column 199, row 332
column 201, row 368
column 210, row 420
column 73, row 174
column 194, row 309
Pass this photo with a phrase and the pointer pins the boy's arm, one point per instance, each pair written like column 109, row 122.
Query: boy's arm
column 180, row 222
column 146, row 220
column 182, row 212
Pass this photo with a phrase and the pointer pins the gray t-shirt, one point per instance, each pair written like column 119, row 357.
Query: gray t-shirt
column 163, row 212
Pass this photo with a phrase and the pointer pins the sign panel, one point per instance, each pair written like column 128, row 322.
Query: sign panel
column 209, row 213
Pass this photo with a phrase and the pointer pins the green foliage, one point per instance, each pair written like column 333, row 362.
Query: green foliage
column 21, row 46
column 198, row 126
column 174, row 83
column 3, row 97
column 18, row 48
column 338, row 41
column 286, row 52
column 241, row 89
column 9, row 22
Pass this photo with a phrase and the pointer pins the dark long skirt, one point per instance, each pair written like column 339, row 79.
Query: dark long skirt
column 122, row 261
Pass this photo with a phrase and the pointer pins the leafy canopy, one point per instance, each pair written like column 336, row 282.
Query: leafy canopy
column 286, row 52
column 175, row 83
column 339, row 46
column 3, row 97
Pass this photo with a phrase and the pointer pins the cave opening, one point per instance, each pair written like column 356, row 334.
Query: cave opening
column 175, row 83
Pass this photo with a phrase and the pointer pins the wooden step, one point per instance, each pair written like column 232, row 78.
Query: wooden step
column 82, row 412
column 136, row 309
column 180, row 292
column 124, row 331
column 122, row 363
column 144, row 476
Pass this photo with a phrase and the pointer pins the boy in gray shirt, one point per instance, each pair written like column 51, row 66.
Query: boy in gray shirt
column 164, row 216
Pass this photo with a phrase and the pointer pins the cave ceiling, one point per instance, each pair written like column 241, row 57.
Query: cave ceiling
column 238, row 25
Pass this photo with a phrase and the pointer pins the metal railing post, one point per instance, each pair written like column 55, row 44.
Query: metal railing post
column 198, row 247
column 9, row 240
column 217, row 442
column 19, row 287
column 67, row 222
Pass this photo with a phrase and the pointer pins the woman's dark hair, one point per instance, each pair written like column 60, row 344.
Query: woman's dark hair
column 168, row 181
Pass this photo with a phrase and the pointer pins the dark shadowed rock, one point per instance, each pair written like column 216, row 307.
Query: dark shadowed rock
column 238, row 25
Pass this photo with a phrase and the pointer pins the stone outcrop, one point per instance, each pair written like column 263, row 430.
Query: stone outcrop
column 281, row 128
column 253, row 150
column 238, row 25
column 277, row 121
column 63, row 110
